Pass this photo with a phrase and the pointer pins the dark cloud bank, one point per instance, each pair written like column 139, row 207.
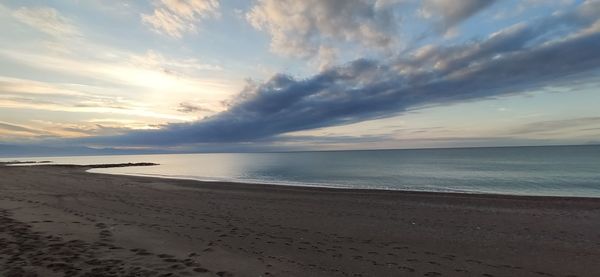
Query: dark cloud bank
column 556, row 50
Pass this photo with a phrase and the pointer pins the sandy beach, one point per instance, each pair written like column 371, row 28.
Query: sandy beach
column 63, row 221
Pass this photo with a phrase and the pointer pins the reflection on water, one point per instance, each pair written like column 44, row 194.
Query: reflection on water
column 565, row 170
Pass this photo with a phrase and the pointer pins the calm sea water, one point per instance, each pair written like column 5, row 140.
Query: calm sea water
column 556, row 170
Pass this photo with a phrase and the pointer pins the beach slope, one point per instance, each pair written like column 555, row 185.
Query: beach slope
column 63, row 221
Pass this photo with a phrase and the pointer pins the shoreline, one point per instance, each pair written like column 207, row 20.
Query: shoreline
column 151, row 226
column 334, row 188
column 197, row 183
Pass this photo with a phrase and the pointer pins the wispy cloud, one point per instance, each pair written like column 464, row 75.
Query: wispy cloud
column 153, row 59
column 13, row 128
column 53, row 130
column 175, row 18
column 557, row 127
column 119, row 68
column 109, row 79
column 29, row 94
column 46, row 20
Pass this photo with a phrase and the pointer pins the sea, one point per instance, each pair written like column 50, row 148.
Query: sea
column 543, row 171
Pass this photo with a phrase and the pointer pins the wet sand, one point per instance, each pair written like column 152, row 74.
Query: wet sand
column 63, row 221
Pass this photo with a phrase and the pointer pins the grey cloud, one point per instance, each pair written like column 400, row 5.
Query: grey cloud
column 307, row 28
column 185, row 107
column 513, row 61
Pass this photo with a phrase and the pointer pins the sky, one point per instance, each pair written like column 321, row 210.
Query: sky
column 284, row 75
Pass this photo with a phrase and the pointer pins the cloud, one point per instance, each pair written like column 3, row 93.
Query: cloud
column 178, row 17
column 28, row 94
column 87, row 76
column 97, row 129
column 390, row 142
column 13, row 128
column 449, row 13
column 514, row 60
column 310, row 28
column 558, row 127
column 156, row 60
column 114, row 76
column 23, row 93
column 151, row 72
column 185, row 107
column 51, row 130
column 35, row 150
column 46, row 20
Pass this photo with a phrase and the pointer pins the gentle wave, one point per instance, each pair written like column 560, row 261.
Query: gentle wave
column 281, row 183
